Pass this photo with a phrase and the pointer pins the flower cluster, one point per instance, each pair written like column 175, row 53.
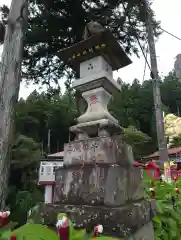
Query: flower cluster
column 62, row 223
column 4, row 218
column 98, row 230
column 63, row 226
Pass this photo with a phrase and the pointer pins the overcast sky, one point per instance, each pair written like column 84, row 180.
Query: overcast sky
column 167, row 47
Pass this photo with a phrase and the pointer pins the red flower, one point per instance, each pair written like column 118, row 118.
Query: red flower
column 13, row 237
column 4, row 218
column 3, row 221
column 177, row 190
column 62, row 232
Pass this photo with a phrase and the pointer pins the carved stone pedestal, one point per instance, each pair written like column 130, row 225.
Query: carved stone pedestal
column 99, row 185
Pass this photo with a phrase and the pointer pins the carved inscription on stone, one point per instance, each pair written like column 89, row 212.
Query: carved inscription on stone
column 99, row 150
column 74, row 153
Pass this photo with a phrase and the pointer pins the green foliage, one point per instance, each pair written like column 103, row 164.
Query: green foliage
column 24, row 194
column 41, row 112
column 108, row 238
column 21, row 202
column 172, row 85
column 136, row 139
column 176, row 142
column 5, row 232
column 167, row 223
column 54, row 25
column 79, row 234
column 34, row 232
column 23, row 148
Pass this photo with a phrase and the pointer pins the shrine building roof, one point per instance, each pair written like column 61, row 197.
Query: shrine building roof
column 53, row 157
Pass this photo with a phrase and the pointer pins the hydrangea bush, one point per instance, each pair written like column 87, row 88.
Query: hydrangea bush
column 167, row 223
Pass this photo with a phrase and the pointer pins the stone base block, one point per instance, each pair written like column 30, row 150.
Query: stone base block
column 110, row 185
column 110, row 150
column 129, row 220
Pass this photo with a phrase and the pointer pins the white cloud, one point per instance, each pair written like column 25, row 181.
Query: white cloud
column 167, row 47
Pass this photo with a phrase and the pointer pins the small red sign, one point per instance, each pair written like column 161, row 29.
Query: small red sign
column 93, row 99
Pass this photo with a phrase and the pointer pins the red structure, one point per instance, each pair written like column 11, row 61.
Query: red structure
column 174, row 155
column 153, row 170
column 151, row 167
column 137, row 164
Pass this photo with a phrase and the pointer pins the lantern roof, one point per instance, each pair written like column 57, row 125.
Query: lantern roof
column 102, row 44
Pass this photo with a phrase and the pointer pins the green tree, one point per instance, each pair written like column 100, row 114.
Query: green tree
column 25, row 157
column 176, row 142
column 23, row 190
column 40, row 112
column 138, row 140
column 54, row 25
column 172, row 85
column 133, row 106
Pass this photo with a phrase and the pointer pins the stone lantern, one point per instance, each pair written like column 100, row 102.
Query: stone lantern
column 95, row 59
column 98, row 183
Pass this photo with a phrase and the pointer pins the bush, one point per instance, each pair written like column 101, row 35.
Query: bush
column 167, row 223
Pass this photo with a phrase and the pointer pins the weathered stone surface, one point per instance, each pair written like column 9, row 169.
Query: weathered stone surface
column 97, row 100
column 144, row 233
column 120, row 221
column 98, row 150
column 98, row 185
column 93, row 128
